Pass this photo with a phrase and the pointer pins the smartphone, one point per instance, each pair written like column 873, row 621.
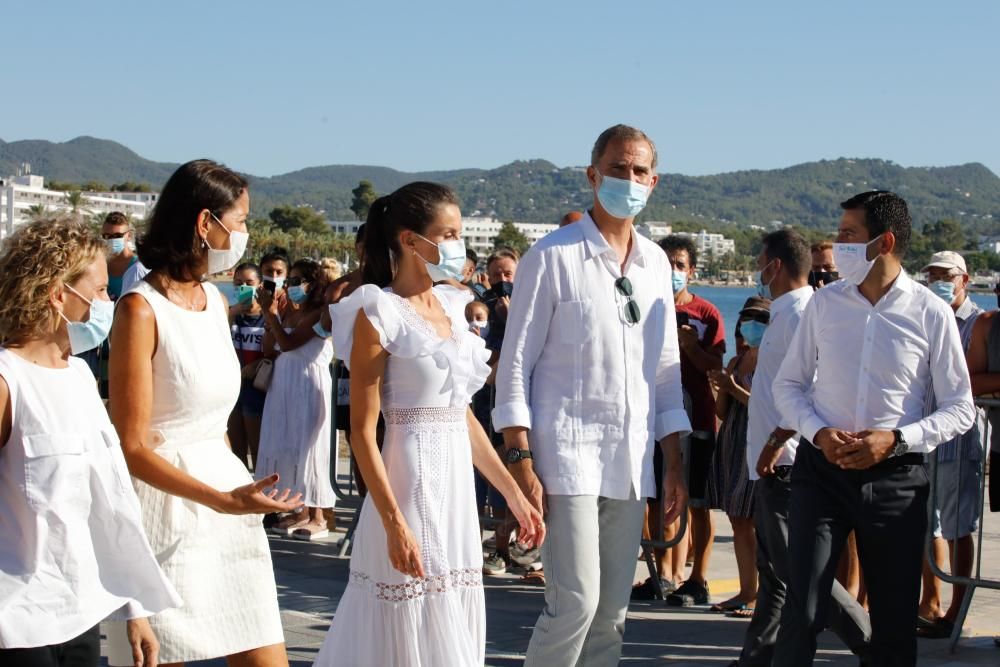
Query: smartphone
column 268, row 286
column 683, row 320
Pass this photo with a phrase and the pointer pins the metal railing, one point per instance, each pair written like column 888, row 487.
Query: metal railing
column 977, row 580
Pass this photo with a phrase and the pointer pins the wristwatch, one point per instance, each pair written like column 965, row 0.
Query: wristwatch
column 901, row 446
column 774, row 443
column 514, row 455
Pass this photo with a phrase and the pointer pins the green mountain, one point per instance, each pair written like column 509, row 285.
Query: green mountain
column 539, row 191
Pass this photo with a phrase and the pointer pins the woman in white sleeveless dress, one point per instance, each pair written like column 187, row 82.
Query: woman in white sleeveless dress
column 415, row 595
column 295, row 438
column 174, row 380
column 75, row 552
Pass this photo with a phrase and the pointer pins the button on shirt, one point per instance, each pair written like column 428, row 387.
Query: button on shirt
column 594, row 391
column 874, row 366
column 764, row 417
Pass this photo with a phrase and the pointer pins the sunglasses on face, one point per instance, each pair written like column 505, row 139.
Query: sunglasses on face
column 117, row 235
column 631, row 309
column 296, row 281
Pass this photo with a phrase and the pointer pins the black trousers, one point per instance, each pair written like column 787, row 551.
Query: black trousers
column 887, row 507
column 83, row 651
column 847, row 618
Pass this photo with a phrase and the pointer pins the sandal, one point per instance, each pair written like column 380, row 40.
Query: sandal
column 288, row 526
column 941, row 629
column 732, row 604
column 534, row 577
column 310, row 532
column 743, row 611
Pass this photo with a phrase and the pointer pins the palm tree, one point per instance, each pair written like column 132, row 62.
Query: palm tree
column 75, row 201
column 37, row 212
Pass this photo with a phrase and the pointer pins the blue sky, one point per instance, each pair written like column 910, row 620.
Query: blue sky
column 274, row 87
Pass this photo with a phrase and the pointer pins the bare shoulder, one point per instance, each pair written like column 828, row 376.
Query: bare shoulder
column 134, row 307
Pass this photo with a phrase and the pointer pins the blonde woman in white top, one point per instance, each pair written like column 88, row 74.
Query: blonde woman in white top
column 75, row 552
column 174, row 381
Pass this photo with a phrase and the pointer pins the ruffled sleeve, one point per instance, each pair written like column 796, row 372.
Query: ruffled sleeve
column 478, row 369
column 394, row 334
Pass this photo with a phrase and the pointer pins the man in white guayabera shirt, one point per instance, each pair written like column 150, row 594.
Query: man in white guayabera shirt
column 867, row 353
column 588, row 382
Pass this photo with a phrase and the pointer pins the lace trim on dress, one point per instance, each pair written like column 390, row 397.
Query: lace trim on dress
column 415, row 589
column 415, row 320
column 421, row 416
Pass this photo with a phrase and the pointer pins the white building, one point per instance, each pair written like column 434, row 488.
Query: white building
column 990, row 245
column 711, row 245
column 479, row 233
column 20, row 194
column 654, row 231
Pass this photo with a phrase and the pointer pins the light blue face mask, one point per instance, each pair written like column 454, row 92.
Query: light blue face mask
column 320, row 331
column 297, row 293
column 451, row 260
column 944, row 289
column 87, row 335
column 678, row 281
column 115, row 246
column 763, row 291
column 753, row 332
column 621, row 198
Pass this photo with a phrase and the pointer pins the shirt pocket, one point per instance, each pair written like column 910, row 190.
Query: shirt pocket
column 54, row 471
column 569, row 326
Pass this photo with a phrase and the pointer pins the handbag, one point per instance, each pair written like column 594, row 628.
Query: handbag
column 262, row 376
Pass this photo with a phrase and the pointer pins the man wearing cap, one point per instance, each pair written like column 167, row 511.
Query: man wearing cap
column 784, row 265
column 959, row 464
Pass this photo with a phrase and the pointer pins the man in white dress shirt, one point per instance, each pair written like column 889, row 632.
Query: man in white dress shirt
column 784, row 266
column 854, row 384
column 588, row 382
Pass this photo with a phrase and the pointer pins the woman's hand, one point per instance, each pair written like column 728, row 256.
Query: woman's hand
column 532, row 528
column 267, row 302
column 251, row 499
column 404, row 553
column 145, row 647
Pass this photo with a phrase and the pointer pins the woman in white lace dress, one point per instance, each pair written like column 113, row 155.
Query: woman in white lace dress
column 415, row 595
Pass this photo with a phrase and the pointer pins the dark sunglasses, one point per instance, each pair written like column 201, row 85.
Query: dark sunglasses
column 296, row 281
column 624, row 287
column 116, row 235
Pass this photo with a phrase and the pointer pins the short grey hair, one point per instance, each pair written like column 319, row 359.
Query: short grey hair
column 623, row 133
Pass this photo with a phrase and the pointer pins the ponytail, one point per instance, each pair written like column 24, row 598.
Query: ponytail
column 376, row 267
column 412, row 207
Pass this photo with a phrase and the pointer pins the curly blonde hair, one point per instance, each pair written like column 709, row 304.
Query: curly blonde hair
column 34, row 259
column 330, row 268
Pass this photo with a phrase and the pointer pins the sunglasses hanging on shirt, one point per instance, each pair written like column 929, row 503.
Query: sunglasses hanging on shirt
column 630, row 311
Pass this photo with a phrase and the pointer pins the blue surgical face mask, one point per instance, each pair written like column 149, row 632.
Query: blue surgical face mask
column 944, row 289
column 87, row 335
column 320, row 331
column 115, row 246
column 621, row 198
column 678, row 281
column 763, row 291
column 297, row 293
column 753, row 332
column 279, row 281
column 451, row 262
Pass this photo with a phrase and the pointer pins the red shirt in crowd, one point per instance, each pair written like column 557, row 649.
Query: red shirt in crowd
column 706, row 320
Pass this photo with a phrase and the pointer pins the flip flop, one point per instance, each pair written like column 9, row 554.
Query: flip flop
column 535, row 577
column 743, row 611
column 307, row 535
column 726, row 607
column 941, row 629
column 924, row 623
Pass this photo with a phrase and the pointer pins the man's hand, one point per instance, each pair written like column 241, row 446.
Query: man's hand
column 523, row 473
column 687, row 337
column 502, row 308
column 868, row 448
column 145, row 647
column 830, row 440
column 767, row 460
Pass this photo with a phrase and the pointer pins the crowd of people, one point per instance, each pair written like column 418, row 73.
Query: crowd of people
column 576, row 398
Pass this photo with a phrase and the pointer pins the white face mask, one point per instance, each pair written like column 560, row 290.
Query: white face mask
column 852, row 260
column 227, row 258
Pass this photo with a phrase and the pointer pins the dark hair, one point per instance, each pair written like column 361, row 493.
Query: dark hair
column 884, row 212
column 116, row 218
column 471, row 255
column 412, row 207
column 623, row 133
column 247, row 266
column 359, row 235
column 676, row 242
column 313, row 274
column 171, row 242
column 793, row 251
column 276, row 255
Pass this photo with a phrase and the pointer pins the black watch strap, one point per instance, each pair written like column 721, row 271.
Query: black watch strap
column 514, row 455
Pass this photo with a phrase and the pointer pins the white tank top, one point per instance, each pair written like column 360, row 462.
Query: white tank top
column 196, row 374
column 73, row 551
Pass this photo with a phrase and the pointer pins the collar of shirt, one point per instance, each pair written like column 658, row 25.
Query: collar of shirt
column 902, row 286
column 598, row 246
column 967, row 309
column 789, row 299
